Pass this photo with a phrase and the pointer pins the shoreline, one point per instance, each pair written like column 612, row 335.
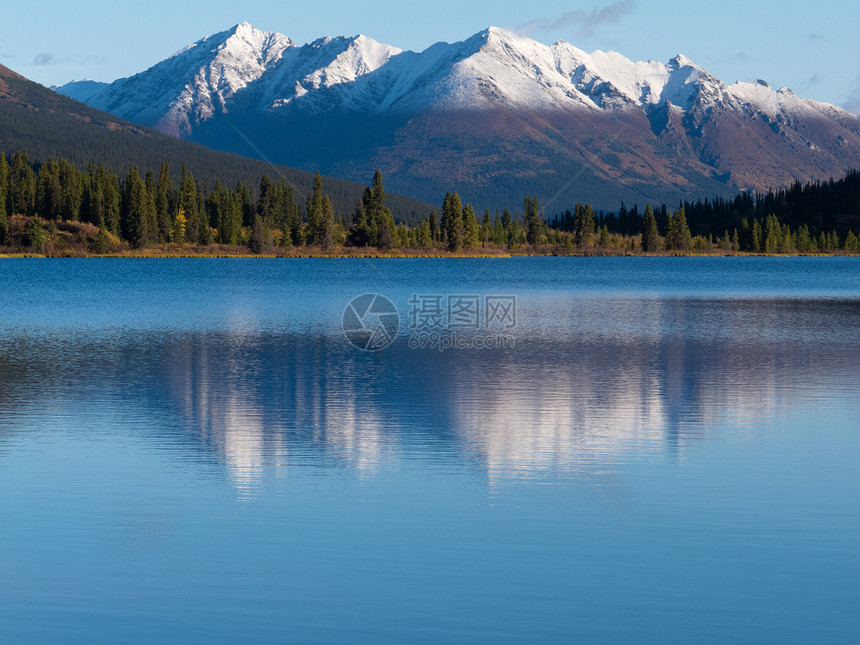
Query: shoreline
column 400, row 254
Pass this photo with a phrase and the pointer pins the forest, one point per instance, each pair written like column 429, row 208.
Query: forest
column 55, row 208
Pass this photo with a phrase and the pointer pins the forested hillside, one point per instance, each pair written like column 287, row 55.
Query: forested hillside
column 50, row 126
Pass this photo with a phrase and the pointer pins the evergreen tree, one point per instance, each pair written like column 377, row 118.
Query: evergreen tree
column 360, row 234
column 471, row 232
column 486, row 228
column 756, row 246
column 35, row 233
column 772, row 234
column 604, row 237
column 327, row 225
column 188, row 204
column 177, row 229
column 151, row 209
column 678, row 237
column 380, row 219
column 257, row 243
column 315, row 229
column 452, row 216
column 532, row 220
column 230, row 219
column 4, row 183
column 508, row 228
column 267, row 200
column 424, row 236
column 22, row 186
column 650, row 235
column 103, row 242
column 163, row 190
column 133, row 212
column 434, row 226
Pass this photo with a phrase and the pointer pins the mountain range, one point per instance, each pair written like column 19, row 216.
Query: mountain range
column 496, row 116
column 48, row 125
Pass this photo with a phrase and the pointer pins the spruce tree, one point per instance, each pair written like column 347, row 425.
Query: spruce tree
column 188, row 203
column 678, row 237
column 756, row 237
column 22, row 185
column 257, row 244
column 326, row 233
column 133, row 212
column 177, row 229
column 35, row 233
column 4, row 182
column 532, row 220
column 266, row 201
column 315, row 213
column 103, row 242
column 650, row 235
column 452, row 215
column 163, row 190
column 471, row 232
column 359, row 233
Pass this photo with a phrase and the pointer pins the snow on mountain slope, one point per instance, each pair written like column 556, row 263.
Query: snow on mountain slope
column 342, row 104
column 493, row 67
column 193, row 84
column 323, row 63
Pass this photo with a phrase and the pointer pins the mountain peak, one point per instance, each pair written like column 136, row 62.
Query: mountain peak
column 681, row 61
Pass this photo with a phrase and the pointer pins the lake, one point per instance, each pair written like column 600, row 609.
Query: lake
column 625, row 450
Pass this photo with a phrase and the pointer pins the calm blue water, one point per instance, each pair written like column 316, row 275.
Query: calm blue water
column 654, row 450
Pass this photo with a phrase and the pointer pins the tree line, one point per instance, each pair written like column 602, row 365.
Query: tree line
column 149, row 208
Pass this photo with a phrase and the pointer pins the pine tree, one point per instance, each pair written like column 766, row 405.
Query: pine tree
column 315, row 213
column 756, row 237
column 103, row 242
column 360, row 233
column 678, row 237
column 162, row 202
column 188, row 203
column 4, row 182
column 508, row 228
column 35, row 233
column 471, row 232
column 434, row 226
column 257, row 243
column 650, row 235
column 772, row 234
column 423, row 236
column 266, row 201
column 133, row 213
column 151, row 209
column 452, row 216
column 327, row 225
column 532, row 220
column 604, row 237
column 177, row 229
column 22, row 186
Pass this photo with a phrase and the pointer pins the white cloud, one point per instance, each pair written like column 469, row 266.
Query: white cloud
column 585, row 23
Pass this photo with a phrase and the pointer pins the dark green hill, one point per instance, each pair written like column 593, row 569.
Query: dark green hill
column 49, row 125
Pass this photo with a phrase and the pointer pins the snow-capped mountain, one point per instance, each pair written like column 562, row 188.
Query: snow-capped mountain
column 496, row 116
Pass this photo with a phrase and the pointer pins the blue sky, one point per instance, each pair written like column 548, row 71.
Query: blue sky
column 810, row 47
